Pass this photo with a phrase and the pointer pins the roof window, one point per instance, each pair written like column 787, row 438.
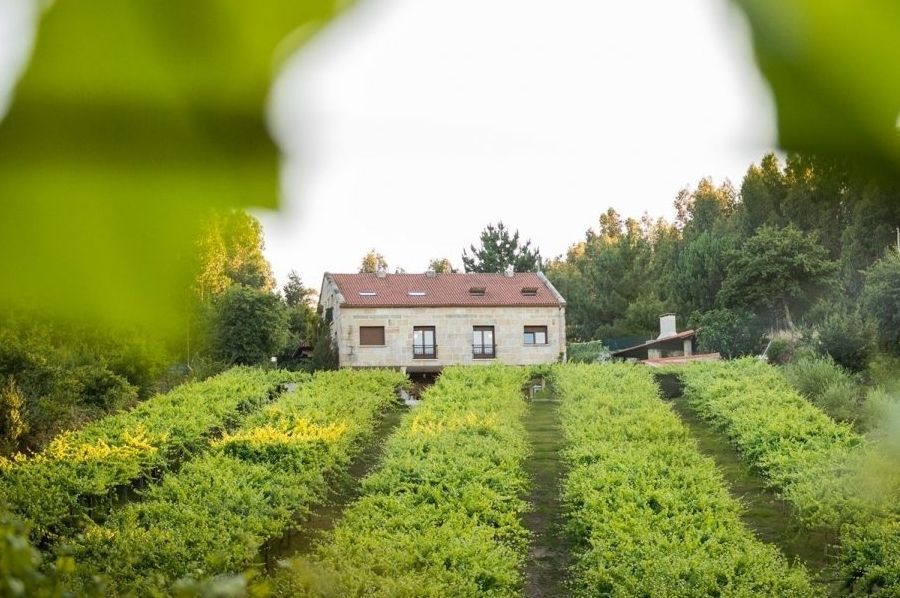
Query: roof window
column 367, row 293
column 529, row 291
column 416, row 293
column 477, row 291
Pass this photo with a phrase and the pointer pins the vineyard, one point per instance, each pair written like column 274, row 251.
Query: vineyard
column 187, row 493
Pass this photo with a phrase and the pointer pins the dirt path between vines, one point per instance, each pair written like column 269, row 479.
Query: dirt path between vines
column 549, row 555
column 765, row 513
column 345, row 490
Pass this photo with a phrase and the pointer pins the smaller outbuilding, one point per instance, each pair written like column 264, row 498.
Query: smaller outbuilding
column 670, row 343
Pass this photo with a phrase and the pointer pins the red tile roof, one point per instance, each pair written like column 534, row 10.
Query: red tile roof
column 445, row 290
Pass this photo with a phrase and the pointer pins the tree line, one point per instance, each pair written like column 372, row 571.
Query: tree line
column 808, row 245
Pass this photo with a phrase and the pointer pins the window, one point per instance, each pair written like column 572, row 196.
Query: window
column 535, row 335
column 529, row 291
column 477, row 291
column 371, row 335
column 416, row 293
column 423, row 343
column 483, row 346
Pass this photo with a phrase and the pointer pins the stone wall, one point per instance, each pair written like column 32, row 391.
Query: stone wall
column 453, row 335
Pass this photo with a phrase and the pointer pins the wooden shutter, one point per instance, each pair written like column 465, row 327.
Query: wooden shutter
column 371, row 335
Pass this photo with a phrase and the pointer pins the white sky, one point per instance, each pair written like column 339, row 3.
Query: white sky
column 411, row 124
column 408, row 125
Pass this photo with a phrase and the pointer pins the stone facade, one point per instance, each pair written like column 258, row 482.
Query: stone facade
column 453, row 334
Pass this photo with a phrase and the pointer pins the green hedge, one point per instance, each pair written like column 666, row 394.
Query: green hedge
column 76, row 474
column 441, row 516
column 215, row 514
column 813, row 461
column 650, row 515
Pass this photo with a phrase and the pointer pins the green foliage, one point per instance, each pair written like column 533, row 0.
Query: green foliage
column 295, row 293
column 811, row 375
column 302, row 318
column 884, row 370
column 870, row 559
column 214, row 515
column 821, row 468
column 441, row 515
column 441, row 266
column 701, row 268
column 500, row 250
column 702, row 209
column 781, row 349
column 248, row 326
column 23, row 572
column 881, row 299
column 373, row 262
column 847, row 337
column 602, row 275
column 733, row 333
column 12, row 420
column 827, row 102
column 826, row 384
column 774, row 268
column 230, row 252
column 588, row 352
column 130, row 123
column 75, row 476
column 325, row 354
column 650, row 515
column 69, row 374
column 784, row 436
column 642, row 314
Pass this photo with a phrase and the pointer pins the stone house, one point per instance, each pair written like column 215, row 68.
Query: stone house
column 421, row 323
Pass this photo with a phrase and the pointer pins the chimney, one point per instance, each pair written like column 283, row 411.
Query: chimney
column 667, row 325
column 510, row 271
column 381, row 273
column 430, row 273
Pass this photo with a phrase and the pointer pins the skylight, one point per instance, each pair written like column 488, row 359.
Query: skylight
column 367, row 293
column 477, row 291
column 416, row 293
column 529, row 291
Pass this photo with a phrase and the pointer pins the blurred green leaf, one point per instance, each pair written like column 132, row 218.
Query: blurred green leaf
column 833, row 67
column 132, row 121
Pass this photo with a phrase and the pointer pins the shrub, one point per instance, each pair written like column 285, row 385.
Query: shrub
column 881, row 299
column 840, row 401
column 732, row 333
column 789, row 440
column 781, row 349
column 99, row 387
column 72, row 479
column 827, row 385
column 23, row 572
column 848, row 338
column 12, row 423
column 812, row 375
column 442, row 514
column 324, row 355
column 650, row 515
column 248, row 326
column 588, row 352
column 878, row 407
column 818, row 465
column 214, row 515
column 884, row 370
